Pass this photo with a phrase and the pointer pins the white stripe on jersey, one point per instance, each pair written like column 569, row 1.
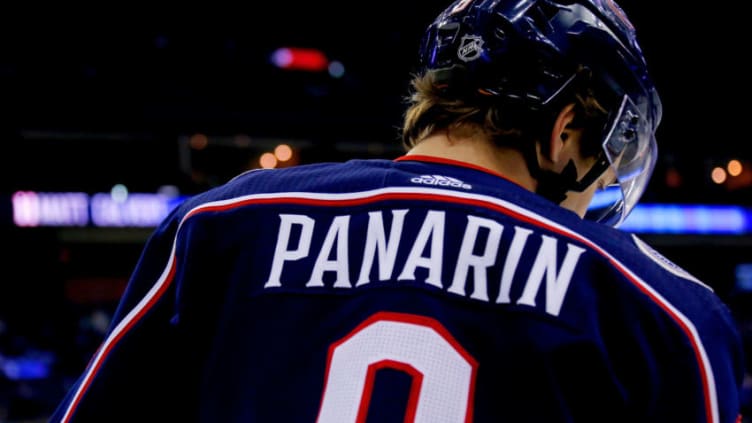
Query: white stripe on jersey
column 446, row 195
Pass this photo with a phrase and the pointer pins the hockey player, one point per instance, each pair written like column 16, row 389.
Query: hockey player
column 467, row 281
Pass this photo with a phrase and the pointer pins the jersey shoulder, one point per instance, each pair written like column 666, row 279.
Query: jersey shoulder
column 334, row 177
column 663, row 262
column 319, row 179
column 637, row 255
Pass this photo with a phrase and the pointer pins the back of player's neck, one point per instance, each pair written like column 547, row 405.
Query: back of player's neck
column 478, row 151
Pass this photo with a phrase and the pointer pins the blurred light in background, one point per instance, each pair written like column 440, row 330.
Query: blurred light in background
column 282, row 156
column 283, row 152
column 64, row 209
column 734, row 167
column 33, row 366
column 136, row 210
column 119, row 193
column 689, row 219
column 50, row 209
column 302, row 59
column 336, row 69
column 718, row 175
column 268, row 161
column 673, row 178
column 604, row 198
column 733, row 174
column 743, row 273
column 198, row 141
column 147, row 210
column 679, row 218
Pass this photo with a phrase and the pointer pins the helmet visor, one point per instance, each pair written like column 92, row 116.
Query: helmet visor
column 631, row 150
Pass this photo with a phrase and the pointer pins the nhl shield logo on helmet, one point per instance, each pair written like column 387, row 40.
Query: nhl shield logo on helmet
column 471, row 46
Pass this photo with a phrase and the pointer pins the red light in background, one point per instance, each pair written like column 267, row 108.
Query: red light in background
column 304, row 59
column 673, row 178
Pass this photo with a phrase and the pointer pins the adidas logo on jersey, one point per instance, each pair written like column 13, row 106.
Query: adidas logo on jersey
column 442, row 181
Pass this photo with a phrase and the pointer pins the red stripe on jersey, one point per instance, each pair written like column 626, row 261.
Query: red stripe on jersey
column 430, row 195
column 96, row 362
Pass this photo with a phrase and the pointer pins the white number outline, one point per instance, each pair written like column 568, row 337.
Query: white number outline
column 380, row 342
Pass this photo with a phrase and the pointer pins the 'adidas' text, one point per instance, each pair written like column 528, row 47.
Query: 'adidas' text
column 438, row 180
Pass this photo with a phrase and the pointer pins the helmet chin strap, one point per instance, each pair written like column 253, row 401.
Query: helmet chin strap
column 554, row 186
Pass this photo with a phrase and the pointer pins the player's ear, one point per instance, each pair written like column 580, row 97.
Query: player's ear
column 560, row 132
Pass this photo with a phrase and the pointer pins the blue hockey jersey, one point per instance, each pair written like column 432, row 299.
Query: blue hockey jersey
column 415, row 290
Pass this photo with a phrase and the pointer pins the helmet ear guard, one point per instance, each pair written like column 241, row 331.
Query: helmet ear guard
column 531, row 53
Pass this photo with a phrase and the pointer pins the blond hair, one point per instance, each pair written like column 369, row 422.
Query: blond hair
column 432, row 109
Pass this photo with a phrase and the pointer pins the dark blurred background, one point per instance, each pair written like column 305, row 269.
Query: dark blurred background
column 171, row 100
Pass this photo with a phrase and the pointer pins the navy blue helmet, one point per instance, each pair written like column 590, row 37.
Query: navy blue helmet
column 529, row 51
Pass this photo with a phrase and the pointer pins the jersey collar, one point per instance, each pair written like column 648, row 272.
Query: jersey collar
column 451, row 162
